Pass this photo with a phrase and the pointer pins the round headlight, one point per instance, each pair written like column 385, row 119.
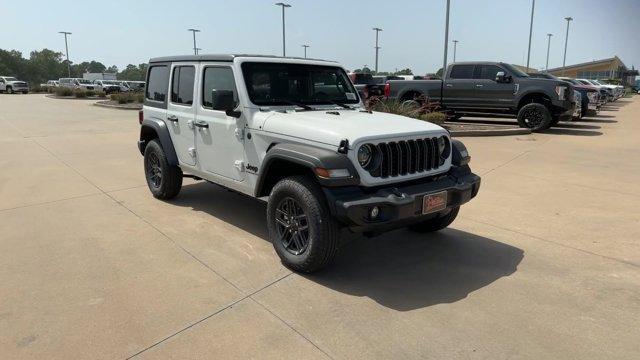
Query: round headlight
column 365, row 153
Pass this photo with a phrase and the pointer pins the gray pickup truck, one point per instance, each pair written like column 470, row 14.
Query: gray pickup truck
column 492, row 88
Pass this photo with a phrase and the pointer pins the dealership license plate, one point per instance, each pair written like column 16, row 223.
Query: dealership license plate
column 434, row 202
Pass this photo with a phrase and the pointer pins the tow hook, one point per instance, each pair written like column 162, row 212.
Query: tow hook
column 398, row 193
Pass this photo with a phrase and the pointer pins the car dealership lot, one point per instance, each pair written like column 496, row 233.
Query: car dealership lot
column 545, row 263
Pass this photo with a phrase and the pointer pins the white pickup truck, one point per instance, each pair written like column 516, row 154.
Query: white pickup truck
column 10, row 85
column 294, row 132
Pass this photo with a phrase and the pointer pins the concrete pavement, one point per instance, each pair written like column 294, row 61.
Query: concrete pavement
column 544, row 263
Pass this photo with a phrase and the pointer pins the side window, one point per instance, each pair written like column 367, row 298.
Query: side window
column 182, row 85
column 462, row 72
column 486, row 72
column 218, row 78
column 158, row 82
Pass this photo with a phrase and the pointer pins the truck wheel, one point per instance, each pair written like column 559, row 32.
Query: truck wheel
column 534, row 116
column 9, row 90
column 437, row 223
column 301, row 228
column 164, row 180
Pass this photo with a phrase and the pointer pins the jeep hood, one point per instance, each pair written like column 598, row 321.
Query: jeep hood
column 332, row 126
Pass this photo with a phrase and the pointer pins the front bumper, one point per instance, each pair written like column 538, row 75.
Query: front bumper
column 400, row 205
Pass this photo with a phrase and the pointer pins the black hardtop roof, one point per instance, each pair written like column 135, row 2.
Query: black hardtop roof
column 221, row 57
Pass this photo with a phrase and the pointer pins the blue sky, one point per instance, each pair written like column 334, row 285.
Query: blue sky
column 121, row 32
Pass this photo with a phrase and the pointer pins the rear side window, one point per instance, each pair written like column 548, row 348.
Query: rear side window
column 217, row 78
column 486, row 72
column 182, row 85
column 462, row 72
column 158, row 83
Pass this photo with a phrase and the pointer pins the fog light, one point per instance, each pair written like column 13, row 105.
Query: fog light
column 374, row 212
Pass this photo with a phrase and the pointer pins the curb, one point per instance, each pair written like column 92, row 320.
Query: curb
column 71, row 97
column 119, row 107
column 493, row 132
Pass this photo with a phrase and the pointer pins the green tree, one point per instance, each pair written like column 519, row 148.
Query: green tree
column 45, row 65
column 406, row 71
column 133, row 72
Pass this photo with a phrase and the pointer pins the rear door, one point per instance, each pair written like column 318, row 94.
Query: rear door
column 219, row 137
column 459, row 87
column 492, row 94
column 181, row 111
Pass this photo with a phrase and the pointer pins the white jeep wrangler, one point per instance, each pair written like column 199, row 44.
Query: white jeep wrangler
column 294, row 132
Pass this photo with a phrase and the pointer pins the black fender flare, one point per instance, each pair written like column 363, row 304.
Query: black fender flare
column 310, row 157
column 157, row 126
column 533, row 91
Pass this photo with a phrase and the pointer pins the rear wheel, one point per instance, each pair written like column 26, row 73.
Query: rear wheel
column 164, row 180
column 435, row 224
column 301, row 228
column 534, row 116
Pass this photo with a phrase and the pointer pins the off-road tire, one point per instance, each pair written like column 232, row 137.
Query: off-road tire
column 534, row 116
column 170, row 180
column 437, row 223
column 323, row 230
column 9, row 90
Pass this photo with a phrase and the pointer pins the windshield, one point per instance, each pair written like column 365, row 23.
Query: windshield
column 11, row 79
column 573, row 81
column 282, row 84
column 515, row 71
column 84, row 81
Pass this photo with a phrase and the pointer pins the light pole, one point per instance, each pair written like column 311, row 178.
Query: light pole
column 198, row 50
column 377, row 30
column 548, row 48
column 566, row 40
column 66, row 46
column 284, row 47
column 455, row 46
column 305, row 50
column 533, row 6
column 446, row 40
column 195, row 48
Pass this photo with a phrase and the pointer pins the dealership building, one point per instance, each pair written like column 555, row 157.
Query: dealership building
column 612, row 68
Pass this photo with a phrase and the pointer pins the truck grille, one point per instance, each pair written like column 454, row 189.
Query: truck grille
column 407, row 157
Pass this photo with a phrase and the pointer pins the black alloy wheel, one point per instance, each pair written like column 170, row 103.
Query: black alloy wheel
column 292, row 226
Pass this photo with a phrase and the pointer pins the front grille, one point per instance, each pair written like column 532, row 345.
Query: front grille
column 406, row 157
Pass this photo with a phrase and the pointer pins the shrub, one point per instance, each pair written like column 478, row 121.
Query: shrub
column 101, row 94
column 114, row 97
column 64, row 91
column 404, row 108
column 80, row 93
column 139, row 98
column 91, row 93
column 37, row 89
column 436, row 117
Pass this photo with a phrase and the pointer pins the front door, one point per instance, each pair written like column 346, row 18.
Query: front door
column 181, row 111
column 492, row 94
column 219, row 138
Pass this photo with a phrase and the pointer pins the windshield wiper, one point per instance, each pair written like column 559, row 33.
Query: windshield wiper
column 342, row 105
column 290, row 102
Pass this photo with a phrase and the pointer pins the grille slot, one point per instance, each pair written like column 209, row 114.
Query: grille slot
column 406, row 157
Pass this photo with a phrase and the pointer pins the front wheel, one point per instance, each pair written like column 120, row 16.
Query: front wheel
column 9, row 90
column 303, row 232
column 534, row 116
column 164, row 180
column 435, row 224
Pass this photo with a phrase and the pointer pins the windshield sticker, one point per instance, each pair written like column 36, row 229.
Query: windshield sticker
column 350, row 96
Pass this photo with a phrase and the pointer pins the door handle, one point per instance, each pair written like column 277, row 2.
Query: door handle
column 449, row 85
column 172, row 118
column 479, row 85
column 201, row 124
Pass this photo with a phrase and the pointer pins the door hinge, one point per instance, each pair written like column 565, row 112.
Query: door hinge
column 192, row 152
column 239, row 164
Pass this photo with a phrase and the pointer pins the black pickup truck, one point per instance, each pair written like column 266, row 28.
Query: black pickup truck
column 492, row 88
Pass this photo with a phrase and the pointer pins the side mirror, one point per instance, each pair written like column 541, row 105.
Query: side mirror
column 223, row 100
column 501, row 77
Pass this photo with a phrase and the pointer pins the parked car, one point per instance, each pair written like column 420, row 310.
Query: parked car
column 618, row 90
column 605, row 92
column 366, row 85
column 382, row 79
column 10, row 85
column 577, row 113
column 135, row 85
column 51, row 84
column 492, row 88
column 591, row 99
column 295, row 131
column 76, row 83
column 108, row 86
